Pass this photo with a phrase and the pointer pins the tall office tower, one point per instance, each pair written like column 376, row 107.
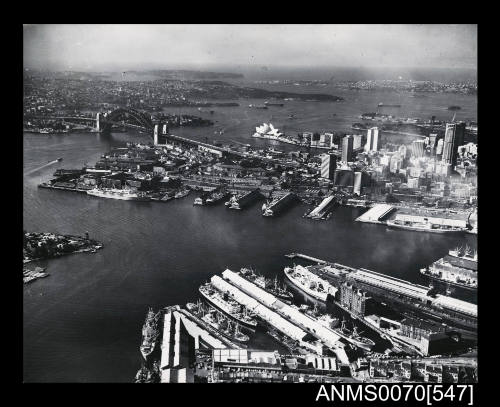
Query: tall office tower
column 328, row 166
column 155, row 134
column 417, row 148
column 357, row 140
column 372, row 139
column 439, row 147
column 358, row 180
column 347, row 143
column 453, row 138
column 432, row 143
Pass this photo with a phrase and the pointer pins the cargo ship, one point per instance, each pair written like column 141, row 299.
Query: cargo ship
column 150, row 333
column 332, row 323
column 467, row 253
column 217, row 321
column 272, row 287
column 309, row 282
column 354, row 337
column 277, row 205
column 227, row 305
column 258, row 106
column 458, row 268
column 114, row 193
column 423, row 226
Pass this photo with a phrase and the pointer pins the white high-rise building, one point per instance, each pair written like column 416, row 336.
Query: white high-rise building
column 372, row 139
column 155, row 135
column 357, row 140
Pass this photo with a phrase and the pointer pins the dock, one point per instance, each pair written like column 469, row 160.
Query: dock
column 322, row 209
column 376, row 214
column 279, row 204
column 305, row 257
column 460, row 312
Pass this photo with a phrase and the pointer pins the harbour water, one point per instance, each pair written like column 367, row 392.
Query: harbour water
column 83, row 323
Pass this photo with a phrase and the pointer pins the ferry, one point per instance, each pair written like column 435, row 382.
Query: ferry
column 309, row 282
column 271, row 287
column 227, row 305
column 121, row 194
column 423, row 226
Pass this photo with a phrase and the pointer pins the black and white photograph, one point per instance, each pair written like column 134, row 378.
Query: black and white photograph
column 251, row 203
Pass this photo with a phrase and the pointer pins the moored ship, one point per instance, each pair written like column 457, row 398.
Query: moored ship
column 218, row 321
column 121, row 194
column 458, row 268
column 227, row 305
column 425, row 226
column 354, row 337
column 150, row 333
column 271, row 287
column 309, row 282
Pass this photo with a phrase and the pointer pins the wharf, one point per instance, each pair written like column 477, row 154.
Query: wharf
column 305, row 257
column 401, row 291
column 205, row 332
column 43, row 185
column 376, row 214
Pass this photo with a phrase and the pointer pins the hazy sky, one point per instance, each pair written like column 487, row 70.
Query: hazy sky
column 101, row 47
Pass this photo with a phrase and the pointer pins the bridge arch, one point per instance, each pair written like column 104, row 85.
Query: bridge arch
column 131, row 117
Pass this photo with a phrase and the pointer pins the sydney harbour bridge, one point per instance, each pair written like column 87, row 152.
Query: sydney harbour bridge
column 124, row 117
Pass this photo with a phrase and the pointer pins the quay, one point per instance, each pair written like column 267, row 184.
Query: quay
column 286, row 315
column 245, row 200
column 322, row 209
column 204, row 332
column 278, row 204
column 45, row 185
column 305, row 257
column 376, row 214
column 400, row 292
